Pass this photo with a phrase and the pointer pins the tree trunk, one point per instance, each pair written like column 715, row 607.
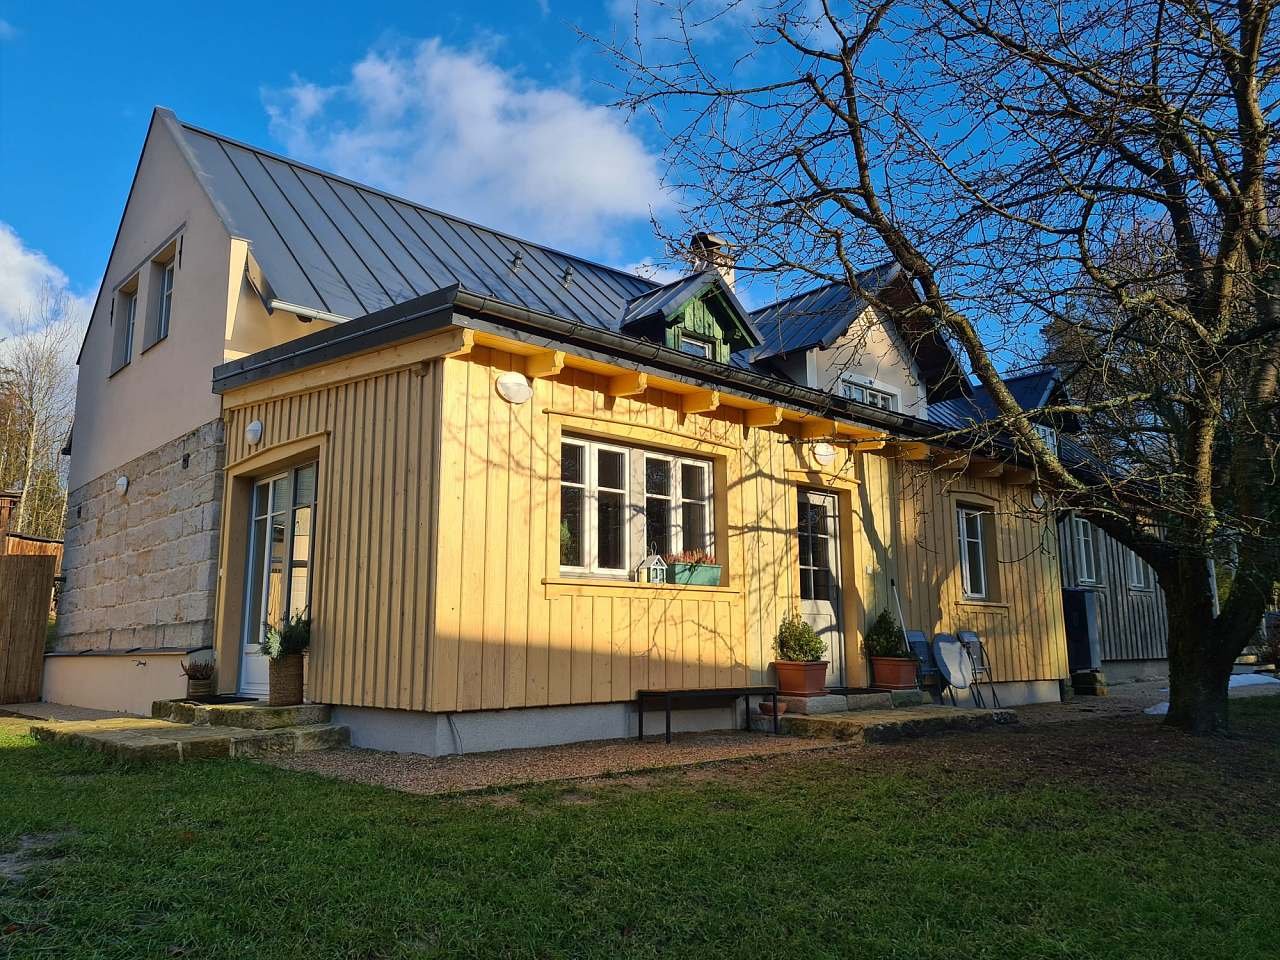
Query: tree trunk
column 24, row 502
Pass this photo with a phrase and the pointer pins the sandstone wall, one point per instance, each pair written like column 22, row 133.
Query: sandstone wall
column 141, row 569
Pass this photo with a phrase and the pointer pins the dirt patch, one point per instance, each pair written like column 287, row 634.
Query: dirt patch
column 32, row 848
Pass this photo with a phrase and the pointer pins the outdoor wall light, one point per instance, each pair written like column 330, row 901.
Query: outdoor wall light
column 824, row 453
column 253, row 432
column 122, row 485
column 514, row 387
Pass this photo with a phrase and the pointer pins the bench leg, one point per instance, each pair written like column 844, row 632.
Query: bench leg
column 668, row 718
column 746, row 720
column 640, row 717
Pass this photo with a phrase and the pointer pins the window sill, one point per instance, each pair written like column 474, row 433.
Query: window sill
column 153, row 344
column 985, row 604
column 609, row 586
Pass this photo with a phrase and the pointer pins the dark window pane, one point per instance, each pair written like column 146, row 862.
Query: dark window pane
column 976, row 573
column 571, row 463
column 806, row 584
column 657, row 525
column 806, row 550
column 821, row 584
column 611, row 470
column 260, row 494
column 571, row 526
column 693, row 482
column 611, row 521
column 304, row 490
column 657, row 477
column 693, row 522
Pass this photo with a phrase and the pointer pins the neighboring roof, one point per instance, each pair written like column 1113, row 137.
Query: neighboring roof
column 332, row 245
column 818, row 317
column 1032, row 389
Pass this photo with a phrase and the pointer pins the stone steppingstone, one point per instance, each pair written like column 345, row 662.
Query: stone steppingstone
column 880, row 700
column 823, row 703
column 242, row 716
column 887, row 726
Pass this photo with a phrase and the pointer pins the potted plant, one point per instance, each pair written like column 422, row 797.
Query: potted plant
column 199, row 674
column 696, row 567
column 284, row 647
column 892, row 666
column 800, row 668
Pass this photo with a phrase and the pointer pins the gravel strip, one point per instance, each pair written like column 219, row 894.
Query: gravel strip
column 413, row 773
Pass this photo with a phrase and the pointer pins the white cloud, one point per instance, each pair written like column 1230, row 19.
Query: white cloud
column 657, row 272
column 23, row 274
column 457, row 130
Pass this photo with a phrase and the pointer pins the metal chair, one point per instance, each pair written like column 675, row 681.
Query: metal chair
column 953, row 664
column 927, row 672
column 981, row 663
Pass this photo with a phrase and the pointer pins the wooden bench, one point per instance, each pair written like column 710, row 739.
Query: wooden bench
column 702, row 697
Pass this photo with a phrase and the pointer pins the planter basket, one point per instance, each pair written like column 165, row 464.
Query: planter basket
column 801, row 679
column 694, row 574
column 199, row 689
column 893, row 673
column 285, row 681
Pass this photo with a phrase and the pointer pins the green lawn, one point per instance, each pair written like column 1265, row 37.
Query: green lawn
column 1010, row 845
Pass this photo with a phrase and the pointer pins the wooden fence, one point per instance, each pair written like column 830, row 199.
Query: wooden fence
column 26, row 583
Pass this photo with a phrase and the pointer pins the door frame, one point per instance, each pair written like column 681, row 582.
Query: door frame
column 237, row 501
column 836, row 551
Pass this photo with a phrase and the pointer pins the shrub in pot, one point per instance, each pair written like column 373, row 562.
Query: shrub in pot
column 800, row 667
column 199, row 674
column 892, row 666
column 284, row 647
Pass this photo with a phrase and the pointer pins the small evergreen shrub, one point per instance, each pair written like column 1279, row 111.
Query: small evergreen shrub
column 884, row 637
column 797, row 641
column 292, row 636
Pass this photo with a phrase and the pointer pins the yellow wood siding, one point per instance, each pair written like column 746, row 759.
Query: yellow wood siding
column 437, row 582
column 371, row 584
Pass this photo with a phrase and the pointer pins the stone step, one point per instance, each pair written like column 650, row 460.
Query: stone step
column 884, row 726
column 247, row 716
column 844, row 702
column 137, row 738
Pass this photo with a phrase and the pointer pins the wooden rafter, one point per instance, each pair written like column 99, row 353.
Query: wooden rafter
column 545, row 364
column 628, row 384
column 911, row 450
column 817, row 430
column 701, row 401
column 764, row 417
column 986, row 469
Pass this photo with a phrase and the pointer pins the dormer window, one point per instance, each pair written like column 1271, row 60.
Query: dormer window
column 124, row 321
column 862, row 393
column 696, row 346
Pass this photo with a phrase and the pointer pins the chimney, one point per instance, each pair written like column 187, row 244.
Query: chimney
column 710, row 250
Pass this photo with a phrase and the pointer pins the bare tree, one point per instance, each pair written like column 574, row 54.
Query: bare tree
column 37, row 387
column 1105, row 169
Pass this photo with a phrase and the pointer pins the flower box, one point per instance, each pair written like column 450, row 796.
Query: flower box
column 694, row 574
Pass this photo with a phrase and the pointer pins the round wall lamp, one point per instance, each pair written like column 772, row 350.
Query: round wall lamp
column 513, row 387
column 122, row 485
column 824, row 453
column 253, row 432
column 1038, row 500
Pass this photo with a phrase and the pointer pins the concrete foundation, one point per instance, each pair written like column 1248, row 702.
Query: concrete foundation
column 440, row 734
column 1135, row 671
column 141, row 566
column 124, row 683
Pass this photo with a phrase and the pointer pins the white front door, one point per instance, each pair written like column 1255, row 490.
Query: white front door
column 278, row 571
column 818, row 539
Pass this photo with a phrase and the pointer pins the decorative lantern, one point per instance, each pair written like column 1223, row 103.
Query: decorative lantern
column 652, row 569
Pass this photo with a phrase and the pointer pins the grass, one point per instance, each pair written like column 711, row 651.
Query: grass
column 1101, row 840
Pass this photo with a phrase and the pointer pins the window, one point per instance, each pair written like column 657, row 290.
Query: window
column 814, row 531
column 1048, row 435
column 620, row 504
column 124, row 320
column 1141, row 576
column 976, row 526
column 870, row 395
column 696, row 346
column 1086, row 550
column 164, row 302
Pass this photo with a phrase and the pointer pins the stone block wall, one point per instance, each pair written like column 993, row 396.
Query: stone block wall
column 142, row 568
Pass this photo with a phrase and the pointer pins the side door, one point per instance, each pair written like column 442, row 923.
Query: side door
column 818, row 540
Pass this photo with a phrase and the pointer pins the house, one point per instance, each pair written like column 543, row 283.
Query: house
column 454, row 448
column 1112, row 597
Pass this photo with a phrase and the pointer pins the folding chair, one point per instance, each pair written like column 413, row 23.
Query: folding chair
column 953, row 664
column 927, row 673
column 977, row 652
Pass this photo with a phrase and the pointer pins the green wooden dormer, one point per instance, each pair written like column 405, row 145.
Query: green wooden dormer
column 698, row 315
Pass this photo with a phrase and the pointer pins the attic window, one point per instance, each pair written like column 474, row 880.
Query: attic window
column 696, row 346
column 861, row 393
column 124, row 320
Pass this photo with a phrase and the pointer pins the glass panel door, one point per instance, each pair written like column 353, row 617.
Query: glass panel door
column 818, row 543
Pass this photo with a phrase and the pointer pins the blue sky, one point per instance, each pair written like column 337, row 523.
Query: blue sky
column 380, row 91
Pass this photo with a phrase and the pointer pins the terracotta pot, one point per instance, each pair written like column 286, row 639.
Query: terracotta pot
column 893, row 673
column 799, row 679
column 766, row 708
column 284, row 681
column 199, row 689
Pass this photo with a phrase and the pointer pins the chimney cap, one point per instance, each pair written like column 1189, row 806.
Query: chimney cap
column 705, row 239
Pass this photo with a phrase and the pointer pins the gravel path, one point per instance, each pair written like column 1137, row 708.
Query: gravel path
column 412, row 773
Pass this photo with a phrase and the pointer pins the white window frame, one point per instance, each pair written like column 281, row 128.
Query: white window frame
column 591, row 507
column 130, row 305
column 676, row 500
column 165, row 306
column 871, row 395
column 1141, row 576
column 1086, row 547
column 708, row 348
column 1048, row 434
column 963, row 513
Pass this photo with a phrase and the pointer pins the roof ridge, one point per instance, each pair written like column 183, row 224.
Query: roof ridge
column 388, row 195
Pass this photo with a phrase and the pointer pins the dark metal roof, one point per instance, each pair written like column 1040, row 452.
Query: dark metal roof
column 816, row 318
column 328, row 244
column 666, row 301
